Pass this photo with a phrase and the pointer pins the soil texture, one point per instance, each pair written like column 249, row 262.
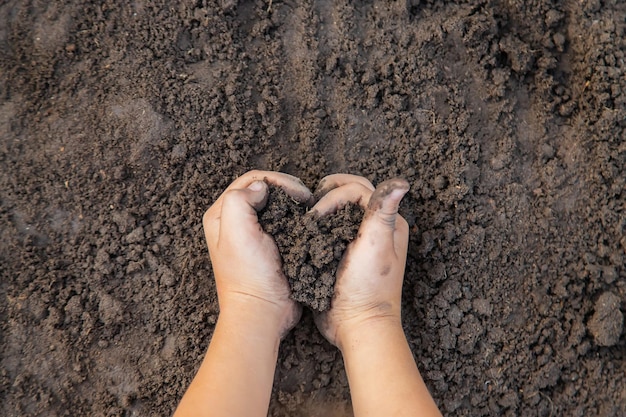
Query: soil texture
column 310, row 246
column 122, row 122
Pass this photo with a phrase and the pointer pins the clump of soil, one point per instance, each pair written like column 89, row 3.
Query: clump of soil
column 310, row 246
column 607, row 320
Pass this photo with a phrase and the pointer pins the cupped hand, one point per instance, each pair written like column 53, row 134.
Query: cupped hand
column 246, row 262
column 369, row 278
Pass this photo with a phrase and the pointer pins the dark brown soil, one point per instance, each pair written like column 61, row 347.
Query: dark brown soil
column 121, row 122
column 310, row 246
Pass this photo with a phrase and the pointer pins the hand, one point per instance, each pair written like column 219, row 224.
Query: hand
column 246, row 261
column 369, row 278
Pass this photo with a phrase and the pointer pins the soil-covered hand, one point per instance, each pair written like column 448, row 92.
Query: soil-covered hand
column 369, row 278
column 246, row 262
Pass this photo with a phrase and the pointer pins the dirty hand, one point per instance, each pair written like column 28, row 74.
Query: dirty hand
column 246, row 261
column 369, row 278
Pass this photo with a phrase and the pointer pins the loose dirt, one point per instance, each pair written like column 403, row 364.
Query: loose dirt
column 310, row 246
column 121, row 122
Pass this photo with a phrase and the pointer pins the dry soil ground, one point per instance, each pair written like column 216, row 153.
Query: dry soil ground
column 120, row 123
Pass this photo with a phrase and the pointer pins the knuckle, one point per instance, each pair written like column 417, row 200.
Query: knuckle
column 210, row 214
column 357, row 186
column 257, row 175
column 388, row 219
column 368, row 184
column 288, row 177
column 360, row 191
column 231, row 197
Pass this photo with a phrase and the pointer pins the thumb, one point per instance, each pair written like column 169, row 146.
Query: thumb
column 256, row 194
column 240, row 206
column 382, row 209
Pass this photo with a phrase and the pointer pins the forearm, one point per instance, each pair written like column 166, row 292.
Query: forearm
column 384, row 379
column 236, row 375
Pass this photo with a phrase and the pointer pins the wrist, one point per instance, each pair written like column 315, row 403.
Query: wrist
column 358, row 332
column 382, row 371
column 252, row 317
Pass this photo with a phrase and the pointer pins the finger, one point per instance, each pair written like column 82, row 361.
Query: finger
column 338, row 197
column 382, row 210
column 292, row 185
column 239, row 210
column 257, row 193
column 333, row 181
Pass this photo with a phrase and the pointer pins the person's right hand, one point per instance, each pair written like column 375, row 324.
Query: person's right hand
column 370, row 275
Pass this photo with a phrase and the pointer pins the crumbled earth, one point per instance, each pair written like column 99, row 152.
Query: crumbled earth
column 310, row 246
column 607, row 321
column 121, row 122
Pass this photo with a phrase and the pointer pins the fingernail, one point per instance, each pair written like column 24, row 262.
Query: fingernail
column 397, row 194
column 256, row 186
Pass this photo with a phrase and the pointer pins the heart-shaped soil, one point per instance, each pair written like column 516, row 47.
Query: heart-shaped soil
column 310, row 246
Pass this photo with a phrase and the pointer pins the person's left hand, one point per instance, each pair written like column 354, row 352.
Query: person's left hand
column 246, row 261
